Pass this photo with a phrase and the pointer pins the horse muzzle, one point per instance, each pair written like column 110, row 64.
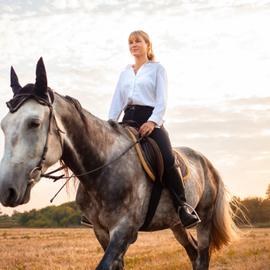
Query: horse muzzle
column 12, row 193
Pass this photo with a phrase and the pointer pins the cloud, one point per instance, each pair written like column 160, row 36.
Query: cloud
column 216, row 59
column 233, row 134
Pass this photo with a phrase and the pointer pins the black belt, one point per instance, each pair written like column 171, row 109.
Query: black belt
column 138, row 107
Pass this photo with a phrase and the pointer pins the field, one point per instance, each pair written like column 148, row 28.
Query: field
column 70, row 249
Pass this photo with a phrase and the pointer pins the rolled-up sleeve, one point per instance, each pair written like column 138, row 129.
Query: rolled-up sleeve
column 117, row 102
column 161, row 96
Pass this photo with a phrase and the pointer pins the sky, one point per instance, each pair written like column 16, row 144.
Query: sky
column 217, row 58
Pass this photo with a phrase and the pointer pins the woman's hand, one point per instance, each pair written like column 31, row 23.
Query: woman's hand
column 147, row 128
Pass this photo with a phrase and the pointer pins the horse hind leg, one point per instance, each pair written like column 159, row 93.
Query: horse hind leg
column 215, row 229
column 204, row 241
column 204, row 229
column 188, row 242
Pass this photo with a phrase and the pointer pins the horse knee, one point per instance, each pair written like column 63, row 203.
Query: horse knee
column 120, row 238
column 103, row 266
column 126, row 235
column 118, row 265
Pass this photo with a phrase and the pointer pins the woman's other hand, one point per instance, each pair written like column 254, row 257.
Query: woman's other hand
column 147, row 128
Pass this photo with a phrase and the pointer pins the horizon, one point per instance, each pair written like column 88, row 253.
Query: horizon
column 217, row 58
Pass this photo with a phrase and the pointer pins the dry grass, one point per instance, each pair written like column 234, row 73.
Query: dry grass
column 70, row 249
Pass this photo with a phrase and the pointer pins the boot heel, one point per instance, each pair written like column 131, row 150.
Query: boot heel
column 188, row 218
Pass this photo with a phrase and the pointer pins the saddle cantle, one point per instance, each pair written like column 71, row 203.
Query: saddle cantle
column 151, row 158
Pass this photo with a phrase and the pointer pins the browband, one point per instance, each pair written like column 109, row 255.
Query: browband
column 17, row 101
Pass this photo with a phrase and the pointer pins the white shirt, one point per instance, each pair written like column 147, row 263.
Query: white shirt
column 148, row 87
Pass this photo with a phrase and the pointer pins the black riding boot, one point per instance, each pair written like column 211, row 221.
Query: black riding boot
column 175, row 185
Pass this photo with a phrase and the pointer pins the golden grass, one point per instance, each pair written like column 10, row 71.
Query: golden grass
column 70, row 249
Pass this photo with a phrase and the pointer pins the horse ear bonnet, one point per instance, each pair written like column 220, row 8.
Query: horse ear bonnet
column 38, row 91
column 41, row 89
column 14, row 82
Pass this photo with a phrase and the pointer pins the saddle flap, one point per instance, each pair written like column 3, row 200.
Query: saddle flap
column 149, row 155
column 151, row 158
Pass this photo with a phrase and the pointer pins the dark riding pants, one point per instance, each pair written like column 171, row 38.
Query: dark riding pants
column 140, row 115
column 136, row 116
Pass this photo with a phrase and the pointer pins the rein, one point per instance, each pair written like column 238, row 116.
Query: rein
column 86, row 173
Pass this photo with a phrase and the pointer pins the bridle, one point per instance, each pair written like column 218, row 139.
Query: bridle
column 15, row 104
column 38, row 169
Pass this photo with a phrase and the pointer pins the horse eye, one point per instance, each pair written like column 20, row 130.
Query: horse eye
column 34, row 123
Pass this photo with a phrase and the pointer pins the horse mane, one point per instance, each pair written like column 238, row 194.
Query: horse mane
column 116, row 127
column 77, row 105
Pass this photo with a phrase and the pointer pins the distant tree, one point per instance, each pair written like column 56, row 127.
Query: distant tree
column 258, row 210
column 7, row 221
column 268, row 192
column 65, row 215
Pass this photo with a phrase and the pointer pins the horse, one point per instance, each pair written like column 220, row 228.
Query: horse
column 44, row 127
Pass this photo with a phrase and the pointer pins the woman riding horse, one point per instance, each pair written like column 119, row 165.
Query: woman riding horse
column 141, row 92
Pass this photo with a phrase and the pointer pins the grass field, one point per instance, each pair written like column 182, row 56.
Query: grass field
column 70, row 249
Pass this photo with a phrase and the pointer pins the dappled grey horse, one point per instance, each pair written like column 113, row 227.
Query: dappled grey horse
column 44, row 127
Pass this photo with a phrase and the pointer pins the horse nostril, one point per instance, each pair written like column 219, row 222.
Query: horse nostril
column 12, row 195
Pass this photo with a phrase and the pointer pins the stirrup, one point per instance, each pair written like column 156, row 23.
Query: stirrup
column 86, row 222
column 192, row 212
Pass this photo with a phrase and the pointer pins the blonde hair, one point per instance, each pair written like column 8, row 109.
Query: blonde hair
column 145, row 36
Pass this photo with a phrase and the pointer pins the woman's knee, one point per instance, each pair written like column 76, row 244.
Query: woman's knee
column 163, row 141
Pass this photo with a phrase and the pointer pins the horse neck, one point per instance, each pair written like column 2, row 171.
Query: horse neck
column 87, row 138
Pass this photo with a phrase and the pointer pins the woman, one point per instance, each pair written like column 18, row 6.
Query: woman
column 141, row 92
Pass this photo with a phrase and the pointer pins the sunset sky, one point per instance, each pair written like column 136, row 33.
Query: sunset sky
column 216, row 53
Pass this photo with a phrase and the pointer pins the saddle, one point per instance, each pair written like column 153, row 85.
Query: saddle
column 151, row 158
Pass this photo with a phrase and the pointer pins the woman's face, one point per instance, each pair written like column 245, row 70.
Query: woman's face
column 137, row 46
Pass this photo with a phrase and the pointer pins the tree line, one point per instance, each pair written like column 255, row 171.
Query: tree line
column 253, row 211
column 65, row 215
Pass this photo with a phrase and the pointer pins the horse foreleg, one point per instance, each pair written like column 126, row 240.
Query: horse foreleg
column 102, row 236
column 188, row 242
column 120, row 238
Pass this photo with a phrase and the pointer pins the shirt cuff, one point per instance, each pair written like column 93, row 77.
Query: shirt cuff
column 156, row 119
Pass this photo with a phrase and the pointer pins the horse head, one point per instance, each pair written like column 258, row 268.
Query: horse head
column 30, row 138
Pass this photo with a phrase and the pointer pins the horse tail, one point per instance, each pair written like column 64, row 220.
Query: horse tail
column 224, row 229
